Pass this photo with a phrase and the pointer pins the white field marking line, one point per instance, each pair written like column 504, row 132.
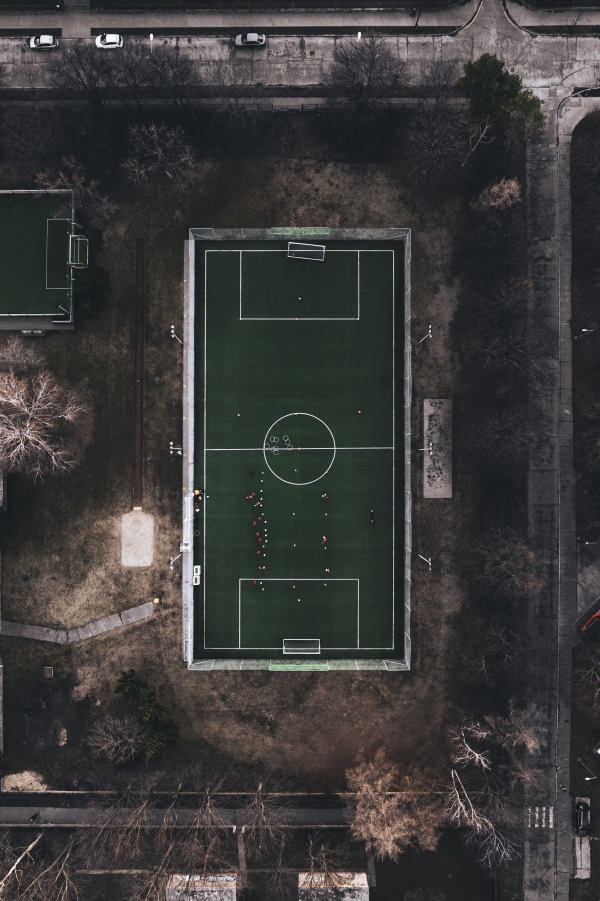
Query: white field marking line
column 394, row 447
column 204, row 483
column 225, row 449
column 358, row 615
column 323, row 647
column 68, row 251
column 358, row 284
column 301, row 318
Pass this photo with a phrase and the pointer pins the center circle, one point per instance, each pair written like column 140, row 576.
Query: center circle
column 299, row 449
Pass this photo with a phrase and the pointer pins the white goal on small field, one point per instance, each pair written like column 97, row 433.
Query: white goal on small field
column 301, row 645
column 306, row 251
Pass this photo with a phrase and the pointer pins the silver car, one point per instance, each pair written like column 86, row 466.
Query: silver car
column 250, row 39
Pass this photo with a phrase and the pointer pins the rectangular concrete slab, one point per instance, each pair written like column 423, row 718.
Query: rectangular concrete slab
column 137, row 539
column 437, row 444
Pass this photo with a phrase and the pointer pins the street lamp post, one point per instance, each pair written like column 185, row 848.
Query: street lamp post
column 587, row 778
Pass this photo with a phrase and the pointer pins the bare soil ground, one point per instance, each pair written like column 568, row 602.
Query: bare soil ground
column 62, row 565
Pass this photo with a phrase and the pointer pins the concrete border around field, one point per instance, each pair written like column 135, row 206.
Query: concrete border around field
column 187, row 544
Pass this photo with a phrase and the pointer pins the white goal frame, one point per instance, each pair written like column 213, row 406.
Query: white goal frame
column 299, row 251
column 301, row 645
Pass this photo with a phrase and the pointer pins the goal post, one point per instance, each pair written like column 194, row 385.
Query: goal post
column 301, row 645
column 300, row 251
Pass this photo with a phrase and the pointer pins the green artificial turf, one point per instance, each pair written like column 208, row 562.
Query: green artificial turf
column 305, row 403
column 27, row 229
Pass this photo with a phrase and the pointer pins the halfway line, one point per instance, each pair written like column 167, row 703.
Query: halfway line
column 298, row 448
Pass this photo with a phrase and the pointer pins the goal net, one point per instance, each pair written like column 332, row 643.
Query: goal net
column 301, row 645
column 306, row 251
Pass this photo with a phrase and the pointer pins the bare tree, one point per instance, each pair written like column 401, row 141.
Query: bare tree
column 158, row 151
column 437, row 144
column 263, row 817
column 132, row 74
column 522, row 730
column 389, row 822
column 362, row 75
column 506, row 564
column 37, row 417
column 30, row 134
column 230, row 81
column 81, row 68
column 504, row 438
column 87, row 197
column 501, row 350
column 462, row 809
column 118, row 739
column 586, row 678
column 3, row 73
column 500, row 196
column 175, row 75
column 20, row 357
column 463, row 745
column 440, row 76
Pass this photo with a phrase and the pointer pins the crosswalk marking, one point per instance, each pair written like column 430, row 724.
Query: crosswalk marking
column 540, row 817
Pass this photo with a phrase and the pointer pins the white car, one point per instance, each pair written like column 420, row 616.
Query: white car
column 43, row 42
column 109, row 41
column 250, row 39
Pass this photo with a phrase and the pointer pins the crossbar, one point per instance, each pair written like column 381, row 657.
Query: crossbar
column 306, row 251
column 301, row 645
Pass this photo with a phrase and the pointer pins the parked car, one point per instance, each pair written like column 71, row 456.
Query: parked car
column 582, row 818
column 109, row 41
column 591, row 626
column 43, row 42
column 250, row 39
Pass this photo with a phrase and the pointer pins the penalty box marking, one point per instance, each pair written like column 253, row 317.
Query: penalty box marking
column 301, row 318
column 323, row 647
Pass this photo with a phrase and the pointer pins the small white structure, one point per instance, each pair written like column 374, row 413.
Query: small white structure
column 348, row 887
column 217, row 887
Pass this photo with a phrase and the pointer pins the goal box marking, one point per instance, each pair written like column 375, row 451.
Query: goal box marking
column 301, row 645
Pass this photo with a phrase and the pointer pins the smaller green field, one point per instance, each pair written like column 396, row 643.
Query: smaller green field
column 35, row 275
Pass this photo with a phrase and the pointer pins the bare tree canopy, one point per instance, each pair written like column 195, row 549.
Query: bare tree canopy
column 81, row 68
column 230, row 81
column 175, row 74
column 30, row 133
column 391, row 823
column 362, row 74
column 118, row 739
column 500, row 196
column 506, row 564
column 88, row 200
column 158, row 151
column 37, row 417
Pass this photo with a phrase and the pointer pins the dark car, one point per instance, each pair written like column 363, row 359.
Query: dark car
column 582, row 818
column 591, row 626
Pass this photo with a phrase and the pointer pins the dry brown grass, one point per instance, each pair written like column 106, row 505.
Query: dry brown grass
column 62, row 565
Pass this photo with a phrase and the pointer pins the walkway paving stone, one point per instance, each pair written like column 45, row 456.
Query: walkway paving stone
column 79, row 633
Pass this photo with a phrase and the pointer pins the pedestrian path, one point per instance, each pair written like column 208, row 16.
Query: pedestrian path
column 79, row 633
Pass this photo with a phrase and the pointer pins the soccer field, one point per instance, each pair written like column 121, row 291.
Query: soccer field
column 298, row 448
